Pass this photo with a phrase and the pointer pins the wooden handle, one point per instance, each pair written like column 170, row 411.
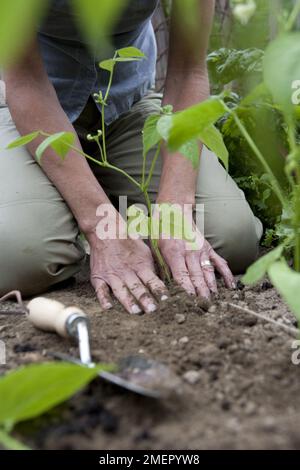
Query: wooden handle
column 50, row 315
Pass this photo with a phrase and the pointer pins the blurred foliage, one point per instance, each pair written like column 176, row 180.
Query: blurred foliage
column 261, row 123
column 226, row 65
column 18, row 20
column 235, row 64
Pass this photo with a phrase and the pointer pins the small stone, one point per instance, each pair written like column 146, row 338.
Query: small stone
column 3, row 327
column 184, row 340
column 223, row 342
column 225, row 405
column 192, row 377
column 233, row 425
column 212, row 309
column 250, row 321
column 269, row 424
column 209, row 350
column 180, row 318
column 30, row 357
column 236, row 296
column 250, row 408
column 174, row 342
column 232, row 348
column 247, row 343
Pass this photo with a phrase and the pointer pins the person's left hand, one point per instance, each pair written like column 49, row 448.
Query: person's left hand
column 194, row 269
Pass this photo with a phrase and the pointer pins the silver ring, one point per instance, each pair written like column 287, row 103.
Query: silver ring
column 206, row 263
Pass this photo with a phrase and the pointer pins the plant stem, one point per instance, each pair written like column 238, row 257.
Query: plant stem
column 293, row 17
column 10, row 443
column 119, row 170
column 154, row 242
column 144, row 169
column 276, row 187
column 296, row 190
column 103, row 134
column 104, row 103
column 97, row 140
column 297, row 253
column 296, row 226
column 110, row 80
column 157, row 153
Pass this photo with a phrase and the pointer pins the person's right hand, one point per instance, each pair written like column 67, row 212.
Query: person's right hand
column 127, row 268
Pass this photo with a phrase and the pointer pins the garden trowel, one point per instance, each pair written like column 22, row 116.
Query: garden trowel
column 134, row 373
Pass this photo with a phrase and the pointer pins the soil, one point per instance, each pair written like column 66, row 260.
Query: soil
column 239, row 389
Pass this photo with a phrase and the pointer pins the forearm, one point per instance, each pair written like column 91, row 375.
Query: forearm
column 37, row 108
column 179, row 178
column 187, row 83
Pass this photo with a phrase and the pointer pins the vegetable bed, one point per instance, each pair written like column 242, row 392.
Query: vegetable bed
column 240, row 388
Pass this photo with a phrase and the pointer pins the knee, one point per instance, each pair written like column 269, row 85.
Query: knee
column 236, row 236
column 37, row 251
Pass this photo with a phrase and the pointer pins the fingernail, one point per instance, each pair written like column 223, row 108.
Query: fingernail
column 233, row 285
column 151, row 308
column 108, row 306
column 164, row 298
column 135, row 309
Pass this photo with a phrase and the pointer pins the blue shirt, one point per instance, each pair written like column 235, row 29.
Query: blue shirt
column 73, row 68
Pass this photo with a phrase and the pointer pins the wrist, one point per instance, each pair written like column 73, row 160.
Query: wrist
column 193, row 85
column 178, row 180
column 107, row 224
column 186, row 198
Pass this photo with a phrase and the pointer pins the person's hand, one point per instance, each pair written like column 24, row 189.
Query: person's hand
column 193, row 266
column 127, row 268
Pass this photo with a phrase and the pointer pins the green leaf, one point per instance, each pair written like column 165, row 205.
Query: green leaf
column 97, row 18
column 127, row 59
column 131, row 52
column 10, row 443
column 226, row 65
column 26, row 139
column 259, row 269
column 190, row 123
column 151, row 137
column 259, row 94
column 282, row 68
column 19, row 20
column 59, row 142
column 32, row 390
column 164, row 125
column 287, row 282
column 191, row 151
column 108, row 64
column 213, row 139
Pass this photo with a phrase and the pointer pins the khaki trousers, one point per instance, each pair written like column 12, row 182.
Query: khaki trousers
column 39, row 239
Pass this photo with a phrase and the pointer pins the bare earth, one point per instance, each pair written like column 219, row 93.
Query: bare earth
column 246, row 395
